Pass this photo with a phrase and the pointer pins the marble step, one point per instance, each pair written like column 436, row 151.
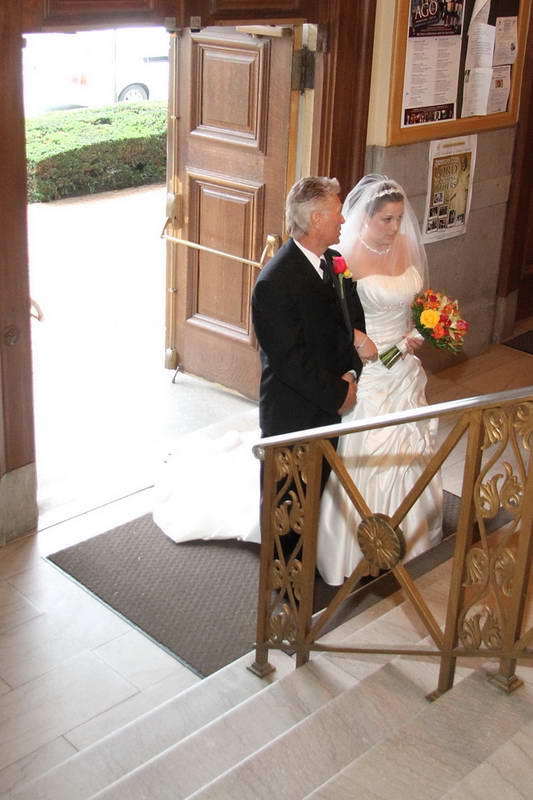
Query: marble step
column 164, row 725
column 474, row 728
column 118, row 753
column 215, row 748
column 507, row 773
column 292, row 765
column 218, row 747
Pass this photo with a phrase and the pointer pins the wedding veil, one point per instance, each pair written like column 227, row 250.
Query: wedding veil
column 362, row 202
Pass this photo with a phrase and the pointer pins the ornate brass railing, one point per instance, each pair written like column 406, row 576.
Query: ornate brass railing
column 490, row 574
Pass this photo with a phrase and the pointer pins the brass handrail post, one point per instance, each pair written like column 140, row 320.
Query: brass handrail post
column 489, row 580
column 462, row 544
column 313, row 472
column 261, row 665
column 506, row 678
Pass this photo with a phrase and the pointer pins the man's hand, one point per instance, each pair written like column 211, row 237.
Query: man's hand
column 351, row 396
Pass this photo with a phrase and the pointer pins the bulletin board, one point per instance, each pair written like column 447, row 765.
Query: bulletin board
column 452, row 45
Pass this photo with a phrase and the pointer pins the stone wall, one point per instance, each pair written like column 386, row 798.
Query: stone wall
column 465, row 267
column 18, row 504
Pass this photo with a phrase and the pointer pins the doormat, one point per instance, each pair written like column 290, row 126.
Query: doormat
column 523, row 342
column 199, row 599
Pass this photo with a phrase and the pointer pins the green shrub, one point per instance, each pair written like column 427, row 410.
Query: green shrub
column 72, row 153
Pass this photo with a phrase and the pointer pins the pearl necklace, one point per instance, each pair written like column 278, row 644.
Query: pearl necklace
column 373, row 249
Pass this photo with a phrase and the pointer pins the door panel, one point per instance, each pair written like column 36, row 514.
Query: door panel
column 229, row 157
column 211, row 12
column 224, row 215
column 232, row 93
column 64, row 8
column 83, row 13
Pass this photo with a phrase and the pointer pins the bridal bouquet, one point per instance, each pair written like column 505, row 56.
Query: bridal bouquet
column 436, row 319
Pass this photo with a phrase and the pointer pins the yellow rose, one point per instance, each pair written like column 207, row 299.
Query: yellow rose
column 429, row 318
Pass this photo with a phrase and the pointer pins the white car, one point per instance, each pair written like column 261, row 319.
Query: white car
column 94, row 68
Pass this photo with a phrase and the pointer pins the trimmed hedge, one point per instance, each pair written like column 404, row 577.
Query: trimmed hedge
column 72, row 153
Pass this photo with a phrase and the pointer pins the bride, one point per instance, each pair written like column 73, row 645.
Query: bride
column 381, row 244
column 210, row 488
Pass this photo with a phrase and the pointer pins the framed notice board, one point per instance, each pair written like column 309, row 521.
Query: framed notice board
column 456, row 67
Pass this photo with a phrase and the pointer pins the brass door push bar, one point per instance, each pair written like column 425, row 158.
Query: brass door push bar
column 273, row 243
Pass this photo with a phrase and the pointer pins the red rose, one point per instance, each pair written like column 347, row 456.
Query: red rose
column 339, row 265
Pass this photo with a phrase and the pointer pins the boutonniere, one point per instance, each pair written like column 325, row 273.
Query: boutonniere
column 340, row 268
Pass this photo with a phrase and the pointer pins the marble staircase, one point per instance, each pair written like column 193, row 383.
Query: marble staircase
column 340, row 727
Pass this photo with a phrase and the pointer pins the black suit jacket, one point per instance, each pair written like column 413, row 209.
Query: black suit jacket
column 305, row 343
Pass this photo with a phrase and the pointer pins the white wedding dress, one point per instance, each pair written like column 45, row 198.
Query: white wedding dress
column 209, row 488
column 384, row 463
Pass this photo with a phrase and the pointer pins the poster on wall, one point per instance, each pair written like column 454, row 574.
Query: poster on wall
column 491, row 51
column 450, row 177
column 432, row 61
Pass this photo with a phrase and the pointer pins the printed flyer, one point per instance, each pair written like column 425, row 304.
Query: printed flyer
column 432, row 61
column 450, row 178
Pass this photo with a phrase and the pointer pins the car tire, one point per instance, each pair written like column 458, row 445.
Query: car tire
column 134, row 92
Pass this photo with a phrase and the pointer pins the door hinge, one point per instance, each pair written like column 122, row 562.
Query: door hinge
column 170, row 25
column 303, row 70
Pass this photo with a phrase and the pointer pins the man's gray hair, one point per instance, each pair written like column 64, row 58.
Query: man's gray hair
column 306, row 196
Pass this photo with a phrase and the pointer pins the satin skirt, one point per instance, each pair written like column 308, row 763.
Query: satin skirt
column 384, row 464
column 209, row 487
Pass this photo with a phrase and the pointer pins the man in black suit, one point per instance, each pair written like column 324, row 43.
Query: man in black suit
column 308, row 330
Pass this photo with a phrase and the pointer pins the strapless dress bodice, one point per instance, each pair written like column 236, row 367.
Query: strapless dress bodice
column 386, row 301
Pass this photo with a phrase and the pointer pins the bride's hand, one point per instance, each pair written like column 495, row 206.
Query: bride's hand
column 413, row 344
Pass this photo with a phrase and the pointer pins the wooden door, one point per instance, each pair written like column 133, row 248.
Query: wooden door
column 516, row 264
column 524, row 306
column 228, row 159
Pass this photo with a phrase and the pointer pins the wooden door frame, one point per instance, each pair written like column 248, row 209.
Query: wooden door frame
column 16, row 403
column 516, row 220
column 339, row 151
column 341, row 141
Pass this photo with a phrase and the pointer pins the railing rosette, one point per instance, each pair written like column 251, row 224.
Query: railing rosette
column 381, row 544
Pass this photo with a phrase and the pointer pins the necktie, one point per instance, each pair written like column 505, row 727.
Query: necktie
column 324, row 268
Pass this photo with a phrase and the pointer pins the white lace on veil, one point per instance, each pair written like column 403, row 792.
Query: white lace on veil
column 367, row 197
